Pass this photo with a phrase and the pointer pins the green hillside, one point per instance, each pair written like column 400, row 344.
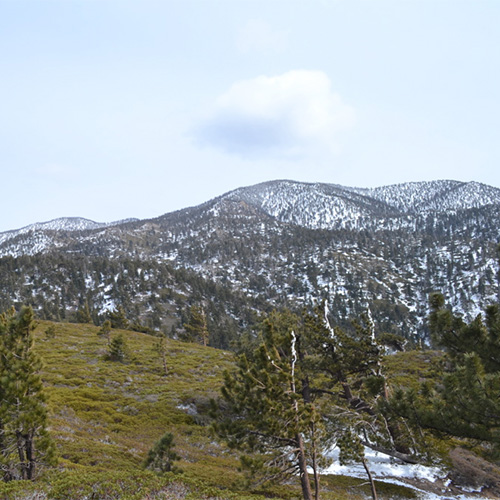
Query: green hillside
column 105, row 416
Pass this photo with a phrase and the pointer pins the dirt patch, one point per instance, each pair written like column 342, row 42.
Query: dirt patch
column 472, row 471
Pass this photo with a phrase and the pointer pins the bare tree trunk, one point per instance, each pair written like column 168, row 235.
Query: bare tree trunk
column 315, row 461
column 304, row 476
column 372, row 482
column 316, row 476
column 30, row 456
column 22, row 455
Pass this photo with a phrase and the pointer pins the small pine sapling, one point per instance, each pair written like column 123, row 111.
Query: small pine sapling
column 118, row 350
column 50, row 332
column 162, row 456
column 161, row 349
column 105, row 330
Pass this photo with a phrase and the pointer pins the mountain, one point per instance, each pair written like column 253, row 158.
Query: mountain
column 274, row 244
column 61, row 224
column 435, row 196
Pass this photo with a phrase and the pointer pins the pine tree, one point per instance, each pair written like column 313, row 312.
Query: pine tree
column 304, row 388
column 161, row 349
column 83, row 314
column 349, row 366
column 162, row 456
column 196, row 328
column 118, row 318
column 24, row 441
column 118, row 350
column 466, row 402
column 50, row 332
column 352, row 450
column 268, row 409
column 105, row 330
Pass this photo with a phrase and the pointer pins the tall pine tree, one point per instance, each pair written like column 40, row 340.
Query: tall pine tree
column 196, row 328
column 305, row 388
column 268, row 409
column 24, row 440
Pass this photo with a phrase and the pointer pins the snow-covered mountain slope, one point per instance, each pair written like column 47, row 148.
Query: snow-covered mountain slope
column 436, row 196
column 283, row 243
column 60, row 224
column 323, row 206
column 329, row 206
column 312, row 205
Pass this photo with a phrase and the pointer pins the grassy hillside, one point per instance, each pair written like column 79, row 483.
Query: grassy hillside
column 105, row 416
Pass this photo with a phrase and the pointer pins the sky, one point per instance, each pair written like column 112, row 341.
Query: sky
column 111, row 109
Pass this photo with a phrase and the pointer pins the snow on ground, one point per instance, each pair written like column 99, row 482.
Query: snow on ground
column 390, row 470
column 382, row 465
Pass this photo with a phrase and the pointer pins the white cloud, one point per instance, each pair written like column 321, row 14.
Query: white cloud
column 286, row 116
column 258, row 36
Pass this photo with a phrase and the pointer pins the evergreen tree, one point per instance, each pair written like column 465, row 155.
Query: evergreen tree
column 83, row 314
column 118, row 350
column 349, row 366
column 466, row 402
column 105, row 330
column 161, row 349
column 304, row 388
column 24, row 440
column 196, row 328
column 352, row 450
column 50, row 332
column 118, row 318
column 162, row 456
column 269, row 410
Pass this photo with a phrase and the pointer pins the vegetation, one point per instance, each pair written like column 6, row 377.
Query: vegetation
column 305, row 387
column 196, row 329
column 150, row 296
column 465, row 403
column 105, row 417
column 118, row 350
column 113, row 398
column 269, row 407
column 309, row 389
column 24, row 441
column 162, row 456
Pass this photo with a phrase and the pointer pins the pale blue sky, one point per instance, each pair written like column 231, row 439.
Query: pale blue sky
column 133, row 108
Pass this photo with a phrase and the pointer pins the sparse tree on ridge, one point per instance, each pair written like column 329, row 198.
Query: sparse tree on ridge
column 118, row 318
column 196, row 328
column 105, row 330
column 161, row 349
column 83, row 314
column 118, row 350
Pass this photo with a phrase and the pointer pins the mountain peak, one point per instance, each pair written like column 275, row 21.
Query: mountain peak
column 60, row 224
column 328, row 206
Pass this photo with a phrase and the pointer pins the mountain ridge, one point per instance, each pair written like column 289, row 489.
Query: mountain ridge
column 285, row 199
column 62, row 224
column 280, row 243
